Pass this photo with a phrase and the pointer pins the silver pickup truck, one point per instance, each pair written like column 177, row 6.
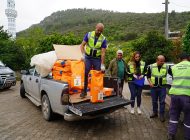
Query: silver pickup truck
column 7, row 77
column 54, row 98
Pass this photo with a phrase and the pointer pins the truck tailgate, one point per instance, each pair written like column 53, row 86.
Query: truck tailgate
column 87, row 108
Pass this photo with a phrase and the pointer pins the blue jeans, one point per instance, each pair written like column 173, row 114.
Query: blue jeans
column 135, row 92
column 158, row 93
column 90, row 63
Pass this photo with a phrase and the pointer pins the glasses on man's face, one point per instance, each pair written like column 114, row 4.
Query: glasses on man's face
column 119, row 55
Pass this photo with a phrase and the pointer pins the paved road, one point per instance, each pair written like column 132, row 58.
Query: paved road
column 20, row 119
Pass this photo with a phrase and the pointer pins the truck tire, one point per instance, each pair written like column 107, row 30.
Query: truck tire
column 46, row 108
column 22, row 91
column 7, row 87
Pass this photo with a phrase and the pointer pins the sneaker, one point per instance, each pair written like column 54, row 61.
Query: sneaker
column 153, row 115
column 162, row 118
column 83, row 94
column 139, row 110
column 132, row 111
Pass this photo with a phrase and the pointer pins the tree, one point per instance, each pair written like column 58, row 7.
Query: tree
column 3, row 34
column 152, row 45
column 186, row 40
column 11, row 54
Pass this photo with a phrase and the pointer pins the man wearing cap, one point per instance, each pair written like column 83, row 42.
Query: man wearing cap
column 180, row 97
column 117, row 68
column 93, row 49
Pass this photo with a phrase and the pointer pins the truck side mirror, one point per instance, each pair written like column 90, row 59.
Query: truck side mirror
column 24, row 72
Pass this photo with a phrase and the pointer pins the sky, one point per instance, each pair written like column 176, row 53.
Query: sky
column 33, row 11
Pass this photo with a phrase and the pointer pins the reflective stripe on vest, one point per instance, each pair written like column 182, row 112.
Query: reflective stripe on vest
column 181, row 79
column 132, row 70
column 187, row 126
column 171, row 121
column 91, row 48
column 158, row 74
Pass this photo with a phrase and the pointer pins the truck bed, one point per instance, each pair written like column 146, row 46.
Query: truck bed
column 75, row 98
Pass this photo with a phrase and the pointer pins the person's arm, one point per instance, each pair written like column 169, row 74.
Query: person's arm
column 82, row 47
column 110, row 68
column 149, row 76
column 170, row 71
column 103, row 52
column 128, row 71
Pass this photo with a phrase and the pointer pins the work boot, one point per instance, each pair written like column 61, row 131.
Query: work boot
column 153, row 115
column 162, row 118
column 83, row 94
column 171, row 137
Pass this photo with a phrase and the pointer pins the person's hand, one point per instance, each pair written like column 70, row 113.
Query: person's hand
column 151, row 85
column 102, row 67
column 83, row 57
column 140, row 77
column 135, row 76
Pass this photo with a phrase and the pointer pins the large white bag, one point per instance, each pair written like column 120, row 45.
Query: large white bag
column 44, row 62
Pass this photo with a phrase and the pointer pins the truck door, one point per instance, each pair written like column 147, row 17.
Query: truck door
column 35, row 82
column 28, row 81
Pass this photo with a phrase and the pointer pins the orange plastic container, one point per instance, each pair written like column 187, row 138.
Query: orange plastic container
column 60, row 63
column 96, row 87
column 107, row 91
column 77, row 77
column 66, row 78
column 57, row 77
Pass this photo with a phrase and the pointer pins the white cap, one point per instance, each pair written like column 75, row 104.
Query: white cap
column 120, row 52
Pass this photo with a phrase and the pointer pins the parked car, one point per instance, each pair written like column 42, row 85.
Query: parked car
column 7, row 77
column 53, row 97
column 168, row 78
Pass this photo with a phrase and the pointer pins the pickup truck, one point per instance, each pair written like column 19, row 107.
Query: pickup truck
column 7, row 77
column 54, row 98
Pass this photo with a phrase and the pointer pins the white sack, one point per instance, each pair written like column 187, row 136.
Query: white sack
column 44, row 62
column 71, row 52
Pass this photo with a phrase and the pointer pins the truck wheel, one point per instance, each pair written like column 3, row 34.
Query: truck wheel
column 7, row 87
column 46, row 108
column 22, row 91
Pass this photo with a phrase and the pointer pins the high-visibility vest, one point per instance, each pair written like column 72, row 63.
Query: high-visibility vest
column 181, row 79
column 156, row 74
column 90, row 48
column 132, row 69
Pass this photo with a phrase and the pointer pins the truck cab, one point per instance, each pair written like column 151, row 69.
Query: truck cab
column 7, row 77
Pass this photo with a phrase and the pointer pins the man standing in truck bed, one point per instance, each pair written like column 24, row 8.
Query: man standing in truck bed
column 93, row 49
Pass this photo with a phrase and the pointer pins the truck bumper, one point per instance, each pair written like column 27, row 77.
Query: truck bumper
column 8, row 83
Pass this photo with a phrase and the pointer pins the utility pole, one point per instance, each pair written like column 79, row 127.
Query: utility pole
column 166, row 18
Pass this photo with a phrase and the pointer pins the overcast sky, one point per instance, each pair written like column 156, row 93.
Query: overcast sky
column 33, row 11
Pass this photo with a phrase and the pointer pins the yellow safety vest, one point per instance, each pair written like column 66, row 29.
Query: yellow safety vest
column 90, row 48
column 132, row 69
column 155, row 74
column 181, row 79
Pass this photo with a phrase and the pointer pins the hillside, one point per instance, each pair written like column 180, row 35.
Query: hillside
column 117, row 25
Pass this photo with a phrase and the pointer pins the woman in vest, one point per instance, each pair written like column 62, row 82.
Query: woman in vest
column 136, row 71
